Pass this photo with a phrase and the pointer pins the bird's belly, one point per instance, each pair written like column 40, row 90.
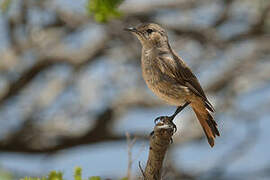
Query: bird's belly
column 172, row 93
column 176, row 101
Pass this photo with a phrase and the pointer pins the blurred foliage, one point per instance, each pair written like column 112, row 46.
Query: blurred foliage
column 59, row 176
column 94, row 178
column 5, row 5
column 5, row 175
column 55, row 176
column 78, row 173
column 30, row 178
column 125, row 178
column 103, row 10
column 52, row 176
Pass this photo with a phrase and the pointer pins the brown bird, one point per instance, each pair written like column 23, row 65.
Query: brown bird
column 167, row 75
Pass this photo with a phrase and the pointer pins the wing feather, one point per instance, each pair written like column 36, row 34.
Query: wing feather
column 174, row 67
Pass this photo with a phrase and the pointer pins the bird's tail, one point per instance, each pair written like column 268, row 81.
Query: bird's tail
column 206, row 120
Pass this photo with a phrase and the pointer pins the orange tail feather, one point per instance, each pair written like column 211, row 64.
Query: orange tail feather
column 206, row 120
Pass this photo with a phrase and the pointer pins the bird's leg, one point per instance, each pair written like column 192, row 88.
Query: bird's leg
column 178, row 110
column 171, row 118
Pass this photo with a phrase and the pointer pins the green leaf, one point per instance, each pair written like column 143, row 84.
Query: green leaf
column 103, row 10
column 55, row 176
column 5, row 5
column 35, row 178
column 5, row 175
column 78, row 173
column 94, row 178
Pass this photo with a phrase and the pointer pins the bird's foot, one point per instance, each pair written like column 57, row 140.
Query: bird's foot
column 166, row 118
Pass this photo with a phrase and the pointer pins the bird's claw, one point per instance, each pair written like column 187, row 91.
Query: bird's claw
column 162, row 118
column 159, row 119
column 174, row 127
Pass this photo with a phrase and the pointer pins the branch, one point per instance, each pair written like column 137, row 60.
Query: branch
column 101, row 132
column 241, row 66
column 130, row 143
column 45, row 63
column 202, row 35
column 257, row 29
column 26, row 77
column 159, row 144
column 227, row 4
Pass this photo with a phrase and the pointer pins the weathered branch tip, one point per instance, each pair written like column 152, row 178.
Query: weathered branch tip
column 159, row 143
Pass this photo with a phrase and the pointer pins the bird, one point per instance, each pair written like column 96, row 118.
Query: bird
column 169, row 77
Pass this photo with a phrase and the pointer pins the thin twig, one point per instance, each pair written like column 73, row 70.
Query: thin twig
column 130, row 143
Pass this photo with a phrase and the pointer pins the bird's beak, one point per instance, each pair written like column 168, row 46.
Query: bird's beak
column 131, row 29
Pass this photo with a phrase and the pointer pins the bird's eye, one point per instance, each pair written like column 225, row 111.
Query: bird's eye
column 149, row 31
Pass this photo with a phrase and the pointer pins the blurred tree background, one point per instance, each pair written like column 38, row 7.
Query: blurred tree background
column 72, row 94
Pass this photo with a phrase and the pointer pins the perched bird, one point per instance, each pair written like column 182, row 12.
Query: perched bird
column 167, row 75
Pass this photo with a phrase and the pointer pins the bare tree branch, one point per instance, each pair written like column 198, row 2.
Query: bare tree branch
column 26, row 77
column 101, row 132
column 159, row 143
column 255, row 30
column 130, row 143
column 225, row 14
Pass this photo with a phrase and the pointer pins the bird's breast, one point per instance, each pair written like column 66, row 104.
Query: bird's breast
column 163, row 86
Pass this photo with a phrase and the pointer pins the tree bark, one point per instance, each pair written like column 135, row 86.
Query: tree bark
column 159, row 143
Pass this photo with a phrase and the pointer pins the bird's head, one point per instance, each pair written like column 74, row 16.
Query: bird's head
column 150, row 35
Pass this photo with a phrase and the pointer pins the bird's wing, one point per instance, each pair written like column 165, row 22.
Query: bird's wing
column 174, row 66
